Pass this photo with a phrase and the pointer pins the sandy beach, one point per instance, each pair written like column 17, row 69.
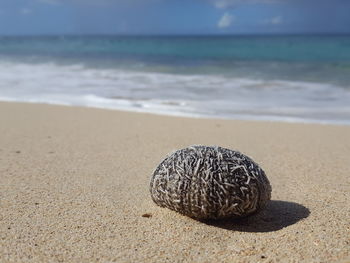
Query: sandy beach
column 74, row 187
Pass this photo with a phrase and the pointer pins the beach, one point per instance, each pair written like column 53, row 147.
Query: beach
column 75, row 188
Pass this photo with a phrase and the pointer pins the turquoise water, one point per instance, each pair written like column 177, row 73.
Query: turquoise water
column 295, row 78
column 271, row 48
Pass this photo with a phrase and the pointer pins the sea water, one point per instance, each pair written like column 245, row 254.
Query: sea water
column 284, row 78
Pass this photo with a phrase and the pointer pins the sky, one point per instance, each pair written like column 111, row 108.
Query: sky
column 41, row 17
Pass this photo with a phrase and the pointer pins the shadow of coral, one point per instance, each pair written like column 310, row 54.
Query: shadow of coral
column 276, row 215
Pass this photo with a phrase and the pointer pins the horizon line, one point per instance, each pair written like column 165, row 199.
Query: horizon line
column 176, row 34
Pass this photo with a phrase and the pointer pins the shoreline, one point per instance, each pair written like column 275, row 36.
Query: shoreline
column 74, row 188
column 249, row 118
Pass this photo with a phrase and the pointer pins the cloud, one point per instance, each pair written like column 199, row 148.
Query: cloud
column 50, row 2
column 226, row 20
column 277, row 20
column 225, row 4
column 98, row 2
column 221, row 4
column 25, row 11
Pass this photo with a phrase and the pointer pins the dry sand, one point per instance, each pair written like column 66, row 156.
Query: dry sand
column 74, row 188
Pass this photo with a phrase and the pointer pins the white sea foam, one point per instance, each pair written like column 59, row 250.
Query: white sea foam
column 175, row 94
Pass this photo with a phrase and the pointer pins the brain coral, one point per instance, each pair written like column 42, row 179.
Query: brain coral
column 210, row 182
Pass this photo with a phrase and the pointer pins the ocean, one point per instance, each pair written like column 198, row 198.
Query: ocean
column 277, row 78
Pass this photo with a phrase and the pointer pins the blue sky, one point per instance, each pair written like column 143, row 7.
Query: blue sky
column 18, row 17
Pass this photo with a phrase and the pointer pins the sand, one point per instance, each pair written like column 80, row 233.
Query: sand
column 74, row 188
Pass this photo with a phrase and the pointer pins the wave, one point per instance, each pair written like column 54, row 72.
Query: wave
column 195, row 95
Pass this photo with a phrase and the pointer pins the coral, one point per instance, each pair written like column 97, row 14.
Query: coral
column 210, row 182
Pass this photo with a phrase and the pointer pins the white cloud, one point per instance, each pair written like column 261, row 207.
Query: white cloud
column 226, row 20
column 25, row 11
column 221, row 4
column 277, row 20
column 97, row 2
column 224, row 4
column 50, row 2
